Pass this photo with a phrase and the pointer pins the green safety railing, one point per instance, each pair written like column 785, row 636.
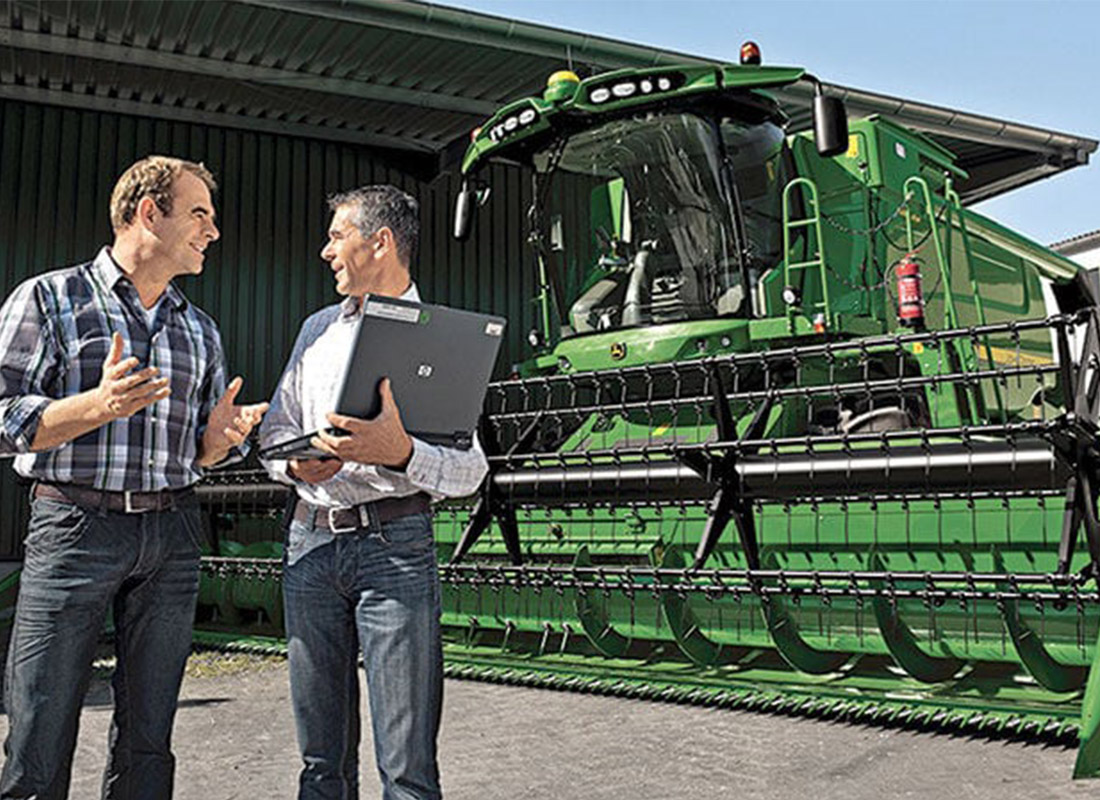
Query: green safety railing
column 814, row 259
column 917, row 187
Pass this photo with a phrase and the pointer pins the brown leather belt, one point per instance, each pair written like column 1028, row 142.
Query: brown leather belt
column 346, row 520
column 124, row 502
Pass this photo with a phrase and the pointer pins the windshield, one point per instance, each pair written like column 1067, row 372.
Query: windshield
column 643, row 226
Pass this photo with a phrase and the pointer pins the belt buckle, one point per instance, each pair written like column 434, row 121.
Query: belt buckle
column 332, row 521
column 128, row 503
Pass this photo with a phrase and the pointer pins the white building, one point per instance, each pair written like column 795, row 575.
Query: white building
column 1084, row 249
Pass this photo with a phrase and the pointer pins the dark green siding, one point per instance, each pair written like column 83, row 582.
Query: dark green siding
column 57, row 169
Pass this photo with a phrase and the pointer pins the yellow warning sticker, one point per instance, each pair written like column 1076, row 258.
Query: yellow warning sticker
column 853, row 145
column 1003, row 356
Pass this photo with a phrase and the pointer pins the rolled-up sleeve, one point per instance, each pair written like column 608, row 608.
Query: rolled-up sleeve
column 29, row 362
column 445, row 471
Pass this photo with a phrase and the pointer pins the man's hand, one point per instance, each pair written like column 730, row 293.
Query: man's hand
column 229, row 425
column 381, row 440
column 121, row 394
column 313, row 470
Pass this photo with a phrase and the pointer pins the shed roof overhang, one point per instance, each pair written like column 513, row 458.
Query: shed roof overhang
column 410, row 77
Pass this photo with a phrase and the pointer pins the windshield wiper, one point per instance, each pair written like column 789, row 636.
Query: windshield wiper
column 536, row 235
column 732, row 196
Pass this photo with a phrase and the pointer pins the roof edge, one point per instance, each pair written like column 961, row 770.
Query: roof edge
column 1077, row 244
column 445, row 22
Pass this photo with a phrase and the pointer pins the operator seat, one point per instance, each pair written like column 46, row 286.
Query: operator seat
column 662, row 290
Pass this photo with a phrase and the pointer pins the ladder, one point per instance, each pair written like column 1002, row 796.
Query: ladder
column 813, row 259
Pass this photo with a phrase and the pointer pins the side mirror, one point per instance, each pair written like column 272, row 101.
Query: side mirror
column 830, row 125
column 465, row 209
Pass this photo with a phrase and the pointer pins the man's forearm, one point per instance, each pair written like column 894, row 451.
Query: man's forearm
column 210, row 455
column 68, row 418
column 228, row 425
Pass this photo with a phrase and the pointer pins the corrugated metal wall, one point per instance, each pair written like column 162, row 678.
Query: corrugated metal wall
column 57, row 169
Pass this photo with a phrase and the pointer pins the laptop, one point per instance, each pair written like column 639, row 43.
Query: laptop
column 438, row 360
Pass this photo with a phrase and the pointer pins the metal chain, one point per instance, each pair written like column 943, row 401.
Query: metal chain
column 884, row 283
column 840, row 226
column 859, row 287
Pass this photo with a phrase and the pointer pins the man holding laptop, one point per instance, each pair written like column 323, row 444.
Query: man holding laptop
column 360, row 562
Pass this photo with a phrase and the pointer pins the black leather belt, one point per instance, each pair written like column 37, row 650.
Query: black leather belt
column 124, row 502
column 348, row 519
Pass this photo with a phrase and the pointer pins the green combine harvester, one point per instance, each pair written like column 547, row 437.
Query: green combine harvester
column 800, row 433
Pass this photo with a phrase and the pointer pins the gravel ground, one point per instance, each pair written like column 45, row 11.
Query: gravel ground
column 234, row 739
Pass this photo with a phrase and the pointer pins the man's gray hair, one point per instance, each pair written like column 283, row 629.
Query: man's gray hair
column 384, row 206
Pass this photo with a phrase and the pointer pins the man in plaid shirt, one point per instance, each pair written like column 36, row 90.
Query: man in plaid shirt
column 360, row 571
column 113, row 399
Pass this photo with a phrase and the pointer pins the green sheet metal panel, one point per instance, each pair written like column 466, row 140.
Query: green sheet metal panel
column 265, row 275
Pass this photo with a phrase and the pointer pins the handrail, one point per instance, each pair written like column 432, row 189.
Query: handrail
column 954, row 205
column 818, row 258
column 912, row 185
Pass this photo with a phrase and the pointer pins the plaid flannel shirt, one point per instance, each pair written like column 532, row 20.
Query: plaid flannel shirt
column 55, row 332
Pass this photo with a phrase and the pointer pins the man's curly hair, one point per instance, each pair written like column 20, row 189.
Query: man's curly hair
column 152, row 176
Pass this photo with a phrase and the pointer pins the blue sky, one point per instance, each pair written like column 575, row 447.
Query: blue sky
column 1019, row 60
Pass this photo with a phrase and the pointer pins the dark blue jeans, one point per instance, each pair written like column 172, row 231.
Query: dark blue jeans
column 375, row 591
column 78, row 563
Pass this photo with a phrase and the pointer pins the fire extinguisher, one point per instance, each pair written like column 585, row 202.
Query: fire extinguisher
column 910, row 298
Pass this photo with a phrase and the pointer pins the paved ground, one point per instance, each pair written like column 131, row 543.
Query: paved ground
column 234, row 739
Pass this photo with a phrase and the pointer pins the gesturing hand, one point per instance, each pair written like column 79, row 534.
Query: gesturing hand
column 121, row 394
column 381, row 440
column 229, row 424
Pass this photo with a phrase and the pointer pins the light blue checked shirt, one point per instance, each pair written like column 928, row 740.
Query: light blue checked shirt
column 55, row 332
column 307, row 392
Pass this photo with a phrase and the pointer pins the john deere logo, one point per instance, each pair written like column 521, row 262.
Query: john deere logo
column 618, row 351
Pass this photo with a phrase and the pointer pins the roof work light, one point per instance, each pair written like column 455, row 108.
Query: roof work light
column 750, row 54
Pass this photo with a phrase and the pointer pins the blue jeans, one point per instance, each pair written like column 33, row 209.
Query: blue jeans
column 79, row 562
column 375, row 591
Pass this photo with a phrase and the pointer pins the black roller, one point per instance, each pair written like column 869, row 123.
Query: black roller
column 254, row 495
column 978, row 466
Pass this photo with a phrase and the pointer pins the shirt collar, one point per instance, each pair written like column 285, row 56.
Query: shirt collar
column 106, row 272
column 350, row 305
